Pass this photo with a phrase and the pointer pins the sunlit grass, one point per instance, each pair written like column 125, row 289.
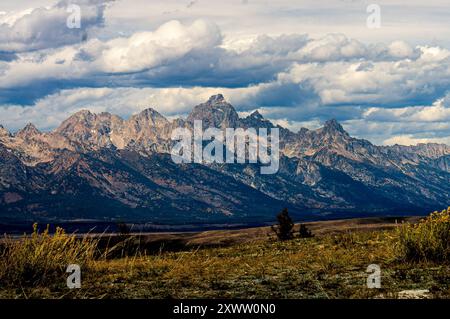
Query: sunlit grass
column 330, row 266
column 41, row 258
column 428, row 240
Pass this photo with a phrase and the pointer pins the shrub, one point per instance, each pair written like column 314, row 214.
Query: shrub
column 304, row 232
column 41, row 258
column 284, row 229
column 123, row 229
column 428, row 240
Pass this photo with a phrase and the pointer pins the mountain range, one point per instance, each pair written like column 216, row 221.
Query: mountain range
column 104, row 167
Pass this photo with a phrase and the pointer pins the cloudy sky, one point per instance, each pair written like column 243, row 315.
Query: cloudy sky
column 300, row 62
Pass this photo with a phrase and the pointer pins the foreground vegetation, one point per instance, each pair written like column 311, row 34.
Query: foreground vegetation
column 427, row 240
column 411, row 257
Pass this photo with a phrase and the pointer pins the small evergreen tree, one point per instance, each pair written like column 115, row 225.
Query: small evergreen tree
column 123, row 229
column 285, row 228
column 304, row 232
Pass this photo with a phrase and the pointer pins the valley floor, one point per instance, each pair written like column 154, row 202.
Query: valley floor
column 330, row 265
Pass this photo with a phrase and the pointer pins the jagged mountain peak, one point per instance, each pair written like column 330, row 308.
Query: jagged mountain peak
column 256, row 120
column 89, row 130
column 28, row 131
column 82, row 114
column 150, row 113
column 4, row 131
column 218, row 98
column 80, row 118
column 88, row 116
column 303, row 130
column 256, row 115
column 218, row 102
column 147, row 121
column 333, row 126
column 216, row 112
column 31, row 127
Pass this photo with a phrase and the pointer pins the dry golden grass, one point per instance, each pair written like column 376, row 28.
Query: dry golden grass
column 40, row 258
column 331, row 265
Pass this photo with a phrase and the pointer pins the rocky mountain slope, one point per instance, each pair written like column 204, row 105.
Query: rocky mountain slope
column 100, row 166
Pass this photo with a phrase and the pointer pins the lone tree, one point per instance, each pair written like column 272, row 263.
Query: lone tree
column 123, row 229
column 304, row 232
column 285, row 228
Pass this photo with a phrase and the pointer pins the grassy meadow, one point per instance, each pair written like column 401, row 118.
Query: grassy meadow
column 332, row 264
